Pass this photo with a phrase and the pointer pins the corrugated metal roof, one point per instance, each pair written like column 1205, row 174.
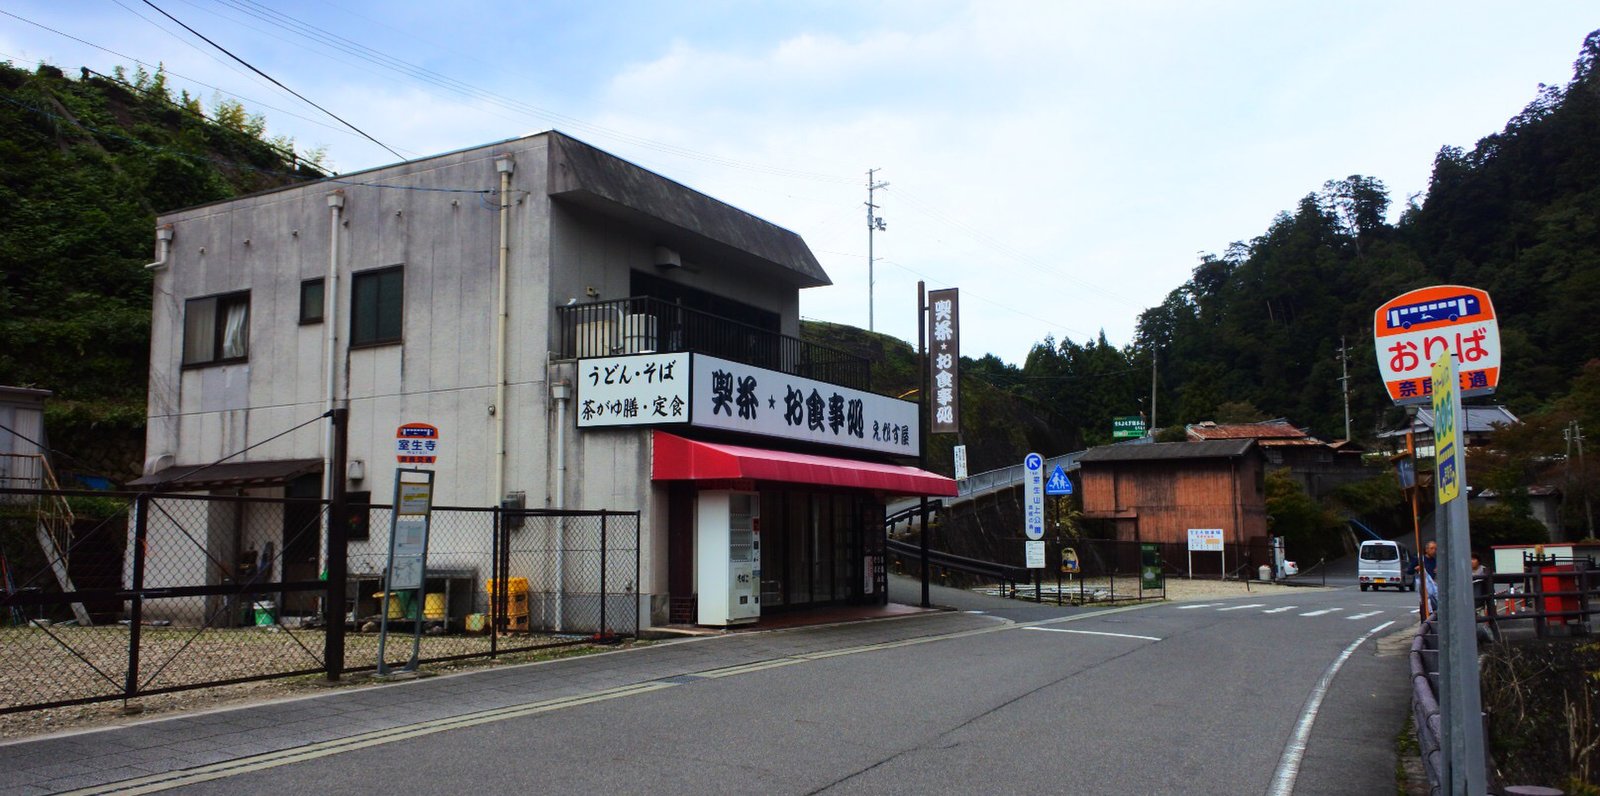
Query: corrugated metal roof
column 1209, row 449
column 1269, row 429
column 1480, row 420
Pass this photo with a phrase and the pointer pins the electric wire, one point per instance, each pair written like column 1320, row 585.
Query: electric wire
column 275, row 82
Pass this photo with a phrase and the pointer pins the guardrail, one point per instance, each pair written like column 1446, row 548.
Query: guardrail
column 1425, row 716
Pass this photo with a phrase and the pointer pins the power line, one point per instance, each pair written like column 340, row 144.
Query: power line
column 275, row 82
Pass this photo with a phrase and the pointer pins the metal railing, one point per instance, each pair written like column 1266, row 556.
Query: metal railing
column 642, row 324
column 1559, row 592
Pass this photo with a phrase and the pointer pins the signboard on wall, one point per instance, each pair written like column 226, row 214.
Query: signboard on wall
column 737, row 397
column 641, row 390
column 944, row 350
column 708, row 392
column 1410, row 330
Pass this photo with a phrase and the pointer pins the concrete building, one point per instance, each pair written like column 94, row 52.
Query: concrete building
column 577, row 331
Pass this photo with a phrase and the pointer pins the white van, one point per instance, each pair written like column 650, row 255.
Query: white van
column 1384, row 563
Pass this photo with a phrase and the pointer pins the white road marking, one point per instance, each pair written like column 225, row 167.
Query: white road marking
column 1241, row 607
column 1365, row 615
column 1295, row 750
column 1196, row 605
column 1281, row 610
column 1416, row 610
column 1323, row 611
column 1091, row 633
column 972, row 612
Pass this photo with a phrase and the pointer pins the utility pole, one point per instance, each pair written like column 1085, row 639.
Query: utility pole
column 1583, row 473
column 1344, row 379
column 1152, row 429
column 875, row 224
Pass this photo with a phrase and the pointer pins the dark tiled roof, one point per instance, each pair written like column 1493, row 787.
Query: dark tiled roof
column 1210, row 449
column 200, row 476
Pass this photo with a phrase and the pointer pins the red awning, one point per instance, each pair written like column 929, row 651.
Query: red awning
column 679, row 459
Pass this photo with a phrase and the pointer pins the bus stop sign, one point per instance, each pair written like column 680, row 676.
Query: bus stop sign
column 1410, row 330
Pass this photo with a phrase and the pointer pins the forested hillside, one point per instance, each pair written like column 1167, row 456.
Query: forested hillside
column 85, row 166
column 1256, row 331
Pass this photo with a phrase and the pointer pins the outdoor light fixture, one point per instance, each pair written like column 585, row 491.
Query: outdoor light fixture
column 355, row 469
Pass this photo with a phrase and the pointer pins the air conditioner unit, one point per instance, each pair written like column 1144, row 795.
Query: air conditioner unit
column 639, row 334
column 596, row 338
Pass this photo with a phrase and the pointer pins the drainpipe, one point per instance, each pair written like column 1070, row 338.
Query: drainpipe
column 330, row 335
column 505, row 166
column 561, row 391
column 163, row 247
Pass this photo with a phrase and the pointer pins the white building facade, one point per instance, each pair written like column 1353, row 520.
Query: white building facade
column 475, row 293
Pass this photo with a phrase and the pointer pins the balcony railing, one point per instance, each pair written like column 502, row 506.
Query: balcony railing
column 642, row 325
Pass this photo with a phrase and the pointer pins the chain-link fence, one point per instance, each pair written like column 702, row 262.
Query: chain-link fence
column 111, row 596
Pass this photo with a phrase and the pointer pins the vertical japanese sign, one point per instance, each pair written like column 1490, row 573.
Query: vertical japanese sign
column 1033, row 496
column 1410, row 330
column 1446, row 413
column 944, row 346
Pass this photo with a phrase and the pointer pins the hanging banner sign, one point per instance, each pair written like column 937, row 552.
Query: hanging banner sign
column 1411, row 330
column 944, row 349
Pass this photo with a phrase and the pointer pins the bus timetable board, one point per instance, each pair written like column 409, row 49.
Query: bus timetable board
column 1410, row 331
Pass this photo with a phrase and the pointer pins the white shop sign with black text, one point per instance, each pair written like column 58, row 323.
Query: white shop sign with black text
column 704, row 391
column 754, row 400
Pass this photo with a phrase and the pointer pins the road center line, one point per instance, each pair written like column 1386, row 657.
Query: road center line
column 1240, row 607
column 1196, row 605
column 1323, row 611
column 1365, row 615
column 1092, row 633
column 1281, row 610
column 1295, row 750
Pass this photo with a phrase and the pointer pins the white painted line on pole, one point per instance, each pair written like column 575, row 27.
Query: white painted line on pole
column 1240, row 607
column 1365, row 615
column 1323, row 611
column 1281, row 610
column 1295, row 750
column 1092, row 633
column 1196, row 605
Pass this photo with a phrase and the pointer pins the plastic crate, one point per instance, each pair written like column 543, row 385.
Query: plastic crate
column 513, row 586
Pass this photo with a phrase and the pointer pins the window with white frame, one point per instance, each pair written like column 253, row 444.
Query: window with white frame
column 216, row 329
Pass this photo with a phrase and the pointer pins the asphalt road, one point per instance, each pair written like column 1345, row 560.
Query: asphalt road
column 1174, row 699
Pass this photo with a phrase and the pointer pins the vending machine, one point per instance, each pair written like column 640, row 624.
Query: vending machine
column 728, row 557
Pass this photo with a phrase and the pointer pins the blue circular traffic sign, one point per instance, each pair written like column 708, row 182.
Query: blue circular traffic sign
column 1033, row 461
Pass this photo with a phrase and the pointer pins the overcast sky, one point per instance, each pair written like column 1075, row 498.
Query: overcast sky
column 1062, row 163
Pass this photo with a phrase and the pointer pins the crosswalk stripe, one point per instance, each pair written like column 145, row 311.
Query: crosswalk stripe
column 1281, row 610
column 1365, row 615
column 1241, row 607
column 1323, row 611
column 1196, row 605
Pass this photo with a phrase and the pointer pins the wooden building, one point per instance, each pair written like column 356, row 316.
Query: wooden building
column 1156, row 492
column 1320, row 467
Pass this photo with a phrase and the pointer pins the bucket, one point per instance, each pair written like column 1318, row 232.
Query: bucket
column 433, row 606
column 264, row 611
column 1264, row 572
column 399, row 604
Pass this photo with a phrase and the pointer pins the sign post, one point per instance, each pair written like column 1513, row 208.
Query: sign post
column 408, row 559
column 1460, row 700
column 1436, row 345
column 1033, row 519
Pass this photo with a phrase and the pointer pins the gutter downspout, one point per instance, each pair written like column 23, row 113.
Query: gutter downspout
column 561, row 391
column 163, row 247
column 330, row 337
column 505, row 166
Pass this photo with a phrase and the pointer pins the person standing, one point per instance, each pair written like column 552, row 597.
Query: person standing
column 1430, row 573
